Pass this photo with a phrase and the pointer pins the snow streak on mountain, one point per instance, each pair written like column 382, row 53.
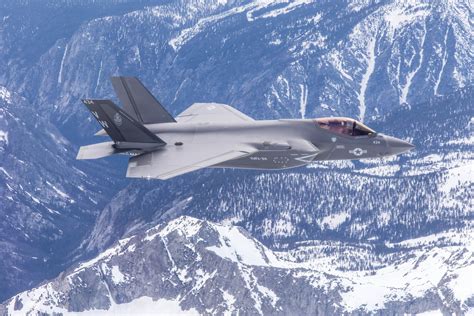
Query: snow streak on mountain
column 197, row 267
column 399, row 229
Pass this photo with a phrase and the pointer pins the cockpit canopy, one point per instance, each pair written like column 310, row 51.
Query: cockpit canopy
column 345, row 126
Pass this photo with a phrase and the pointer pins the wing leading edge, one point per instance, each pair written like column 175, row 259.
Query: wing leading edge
column 212, row 113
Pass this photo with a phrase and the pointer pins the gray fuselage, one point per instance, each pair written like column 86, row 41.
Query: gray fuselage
column 214, row 135
column 281, row 143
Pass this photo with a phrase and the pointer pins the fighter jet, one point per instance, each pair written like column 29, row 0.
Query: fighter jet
column 213, row 135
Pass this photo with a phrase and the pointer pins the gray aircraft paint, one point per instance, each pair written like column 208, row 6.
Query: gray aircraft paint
column 212, row 135
column 139, row 102
column 292, row 139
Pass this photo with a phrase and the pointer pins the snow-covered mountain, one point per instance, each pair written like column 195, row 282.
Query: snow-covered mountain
column 47, row 201
column 404, row 67
column 198, row 267
column 267, row 58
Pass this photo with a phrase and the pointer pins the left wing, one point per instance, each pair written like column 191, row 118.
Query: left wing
column 212, row 113
column 172, row 161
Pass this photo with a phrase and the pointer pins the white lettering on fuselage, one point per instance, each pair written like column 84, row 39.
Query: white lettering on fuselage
column 281, row 160
column 259, row 158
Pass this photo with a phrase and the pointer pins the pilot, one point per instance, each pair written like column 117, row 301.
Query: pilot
column 338, row 127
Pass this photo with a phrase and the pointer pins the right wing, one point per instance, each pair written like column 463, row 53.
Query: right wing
column 172, row 161
column 212, row 113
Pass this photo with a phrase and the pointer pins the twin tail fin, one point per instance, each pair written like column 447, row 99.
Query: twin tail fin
column 127, row 134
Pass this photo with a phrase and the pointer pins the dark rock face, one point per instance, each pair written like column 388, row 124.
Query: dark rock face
column 48, row 202
column 212, row 269
column 405, row 69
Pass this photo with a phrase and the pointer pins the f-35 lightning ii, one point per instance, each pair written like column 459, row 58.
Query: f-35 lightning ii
column 212, row 135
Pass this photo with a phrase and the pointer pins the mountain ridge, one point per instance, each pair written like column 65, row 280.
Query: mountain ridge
column 245, row 271
column 269, row 60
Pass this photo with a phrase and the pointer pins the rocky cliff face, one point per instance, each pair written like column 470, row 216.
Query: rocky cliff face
column 299, row 59
column 198, row 267
column 47, row 201
column 405, row 68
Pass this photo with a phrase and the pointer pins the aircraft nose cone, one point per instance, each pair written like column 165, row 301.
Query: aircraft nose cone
column 397, row 146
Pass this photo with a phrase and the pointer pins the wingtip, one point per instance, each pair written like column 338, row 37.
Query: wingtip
column 80, row 154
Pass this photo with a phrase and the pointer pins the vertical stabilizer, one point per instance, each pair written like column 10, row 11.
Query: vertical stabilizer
column 139, row 102
column 120, row 126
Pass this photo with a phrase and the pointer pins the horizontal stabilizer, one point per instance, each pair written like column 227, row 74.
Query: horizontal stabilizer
column 96, row 151
column 139, row 102
column 101, row 133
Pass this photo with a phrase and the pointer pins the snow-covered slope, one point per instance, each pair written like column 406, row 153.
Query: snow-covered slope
column 270, row 59
column 47, row 203
column 405, row 67
column 197, row 267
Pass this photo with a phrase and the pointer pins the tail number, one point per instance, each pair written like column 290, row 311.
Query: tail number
column 104, row 124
